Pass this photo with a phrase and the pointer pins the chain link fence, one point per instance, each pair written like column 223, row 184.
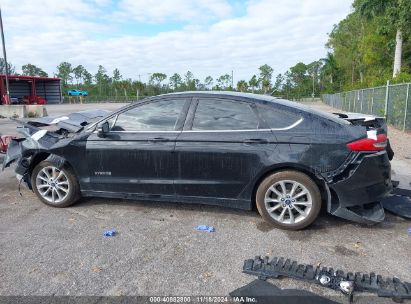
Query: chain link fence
column 101, row 99
column 390, row 101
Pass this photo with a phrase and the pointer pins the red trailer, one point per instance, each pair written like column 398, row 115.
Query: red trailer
column 31, row 90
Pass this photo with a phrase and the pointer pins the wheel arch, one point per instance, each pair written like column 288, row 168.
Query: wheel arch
column 292, row 167
column 58, row 161
column 71, row 193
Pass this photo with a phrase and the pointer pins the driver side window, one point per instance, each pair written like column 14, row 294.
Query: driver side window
column 155, row 116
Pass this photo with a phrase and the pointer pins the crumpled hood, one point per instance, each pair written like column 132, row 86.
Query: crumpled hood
column 43, row 134
column 73, row 122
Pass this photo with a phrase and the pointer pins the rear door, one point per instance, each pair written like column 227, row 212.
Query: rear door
column 136, row 156
column 222, row 147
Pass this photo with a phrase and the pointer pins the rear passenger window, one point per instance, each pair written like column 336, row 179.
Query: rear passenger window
column 277, row 118
column 215, row 114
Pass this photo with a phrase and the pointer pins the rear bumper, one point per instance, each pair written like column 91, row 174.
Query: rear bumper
column 357, row 196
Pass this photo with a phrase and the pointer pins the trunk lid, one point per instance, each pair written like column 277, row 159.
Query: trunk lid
column 376, row 128
column 371, row 122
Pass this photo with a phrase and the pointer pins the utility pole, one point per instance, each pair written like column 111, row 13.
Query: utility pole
column 313, row 94
column 232, row 80
column 7, row 97
column 138, row 91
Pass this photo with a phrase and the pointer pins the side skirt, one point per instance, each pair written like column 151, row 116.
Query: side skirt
column 223, row 202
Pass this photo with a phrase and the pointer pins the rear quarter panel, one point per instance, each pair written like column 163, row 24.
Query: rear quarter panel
column 316, row 145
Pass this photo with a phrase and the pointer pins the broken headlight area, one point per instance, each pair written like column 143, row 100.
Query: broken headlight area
column 46, row 133
column 22, row 151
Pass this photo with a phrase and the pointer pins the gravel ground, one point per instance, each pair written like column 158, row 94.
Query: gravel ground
column 49, row 251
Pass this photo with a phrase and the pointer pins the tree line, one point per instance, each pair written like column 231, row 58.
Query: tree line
column 300, row 81
column 370, row 46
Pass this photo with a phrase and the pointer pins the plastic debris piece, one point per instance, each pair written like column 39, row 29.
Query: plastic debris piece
column 347, row 283
column 109, row 233
column 205, row 228
column 263, row 292
column 399, row 205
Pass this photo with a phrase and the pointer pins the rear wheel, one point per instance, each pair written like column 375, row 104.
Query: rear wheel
column 289, row 200
column 57, row 187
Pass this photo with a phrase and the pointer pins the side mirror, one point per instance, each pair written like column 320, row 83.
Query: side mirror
column 103, row 129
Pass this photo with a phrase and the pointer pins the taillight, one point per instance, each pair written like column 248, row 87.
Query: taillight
column 369, row 144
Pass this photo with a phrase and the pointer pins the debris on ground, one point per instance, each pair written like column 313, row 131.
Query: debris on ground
column 109, row 233
column 347, row 283
column 399, row 202
column 205, row 228
column 96, row 269
column 262, row 292
column 398, row 205
column 360, row 248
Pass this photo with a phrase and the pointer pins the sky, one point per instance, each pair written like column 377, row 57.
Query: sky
column 207, row 37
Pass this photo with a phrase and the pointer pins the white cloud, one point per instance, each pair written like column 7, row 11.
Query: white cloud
column 274, row 32
column 155, row 11
column 103, row 2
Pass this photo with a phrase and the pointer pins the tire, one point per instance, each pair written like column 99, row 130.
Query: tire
column 55, row 187
column 292, row 210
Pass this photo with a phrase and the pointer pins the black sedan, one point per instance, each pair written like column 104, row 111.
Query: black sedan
column 219, row 148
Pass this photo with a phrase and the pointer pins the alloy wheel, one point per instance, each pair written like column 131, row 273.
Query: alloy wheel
column 288, row 202
column 52, row 184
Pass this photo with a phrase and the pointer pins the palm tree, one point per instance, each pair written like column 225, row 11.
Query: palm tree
column 78, row 72
column 393, row 9
column 253, row 83
column 242, row 86
column 329, row 68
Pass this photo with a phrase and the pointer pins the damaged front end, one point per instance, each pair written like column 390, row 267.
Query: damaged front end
column 26, row 152
column 42, row 137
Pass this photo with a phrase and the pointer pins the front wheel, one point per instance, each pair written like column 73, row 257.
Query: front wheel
column 57, row 187
column 289, row 200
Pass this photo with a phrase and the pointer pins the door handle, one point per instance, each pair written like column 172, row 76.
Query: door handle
column 159, row 139
column 255, row 141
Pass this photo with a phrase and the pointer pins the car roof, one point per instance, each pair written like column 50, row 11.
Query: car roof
column 222, row 94
column 262, row 99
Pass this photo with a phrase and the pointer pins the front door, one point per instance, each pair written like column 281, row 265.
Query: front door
column 136, row 156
